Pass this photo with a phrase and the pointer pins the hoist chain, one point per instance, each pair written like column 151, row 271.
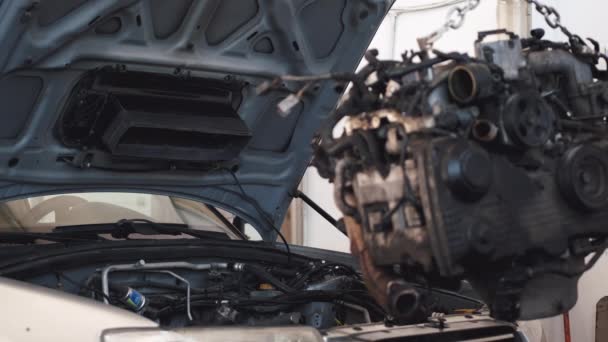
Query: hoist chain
column 553, row 18
column 457, row 15
column 454, row 20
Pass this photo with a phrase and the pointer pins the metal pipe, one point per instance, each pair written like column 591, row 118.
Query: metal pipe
column 567, row 335
column 574, row 70
column 185, row 281
column 469, row 82
column 316, row 207
column 388, row 290
column 143, row 266
column 485, row 130
column 359, row 308
column 402, row 298
column 514, row 15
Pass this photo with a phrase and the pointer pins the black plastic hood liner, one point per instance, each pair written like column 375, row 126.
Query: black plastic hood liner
column 159, row 96
column 154, row 117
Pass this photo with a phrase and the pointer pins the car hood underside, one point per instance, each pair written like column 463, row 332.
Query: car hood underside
column 159, row 96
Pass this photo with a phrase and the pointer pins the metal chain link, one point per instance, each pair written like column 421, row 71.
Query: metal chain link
column 457, row 15
column 552, row 17
column 454, row 20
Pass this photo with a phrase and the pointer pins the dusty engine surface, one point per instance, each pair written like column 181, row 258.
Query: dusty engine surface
column 492, row 168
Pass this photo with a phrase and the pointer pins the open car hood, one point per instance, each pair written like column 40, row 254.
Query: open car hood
column 159, row 96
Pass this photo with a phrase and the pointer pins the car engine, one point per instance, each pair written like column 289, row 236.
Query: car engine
column 492, row 168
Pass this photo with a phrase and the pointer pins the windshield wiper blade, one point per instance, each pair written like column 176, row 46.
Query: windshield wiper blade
column 118, row 230
column 123, row 228
column 28, row 238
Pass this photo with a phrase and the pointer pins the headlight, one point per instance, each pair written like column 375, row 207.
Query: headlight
column 270, row 334
column 142, row 335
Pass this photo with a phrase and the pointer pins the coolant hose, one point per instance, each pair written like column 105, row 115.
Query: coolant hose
column 263, row 275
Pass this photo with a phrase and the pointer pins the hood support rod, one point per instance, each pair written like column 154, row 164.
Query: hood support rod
column 299, row 194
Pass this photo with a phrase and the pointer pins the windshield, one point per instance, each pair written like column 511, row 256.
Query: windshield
column 43, row 214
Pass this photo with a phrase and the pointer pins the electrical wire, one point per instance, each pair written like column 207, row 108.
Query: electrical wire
column 598, row 254
column 296, row 298
column 261, row 212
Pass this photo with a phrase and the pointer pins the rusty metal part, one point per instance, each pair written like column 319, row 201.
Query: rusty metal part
column 470, row 82
column 376, row 279
column 393, row 227
column 403, row 299
column 373, row 120
column 485, row 130
column 391, row 292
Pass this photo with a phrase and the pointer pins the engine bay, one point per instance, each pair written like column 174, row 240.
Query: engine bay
column 177, row 294
column 201, row 292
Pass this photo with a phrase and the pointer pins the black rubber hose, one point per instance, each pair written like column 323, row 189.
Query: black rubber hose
column 340, row 182
column 303, row 297
column 340, row 145
column 263, row 275
column 284, row 272
column 375, row 152
column 299, row 282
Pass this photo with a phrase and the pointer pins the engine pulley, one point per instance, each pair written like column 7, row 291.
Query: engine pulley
column 528, row 120
column 583, row 177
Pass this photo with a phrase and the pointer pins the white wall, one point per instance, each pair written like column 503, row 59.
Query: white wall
column 317, row 232
column 410, row 26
